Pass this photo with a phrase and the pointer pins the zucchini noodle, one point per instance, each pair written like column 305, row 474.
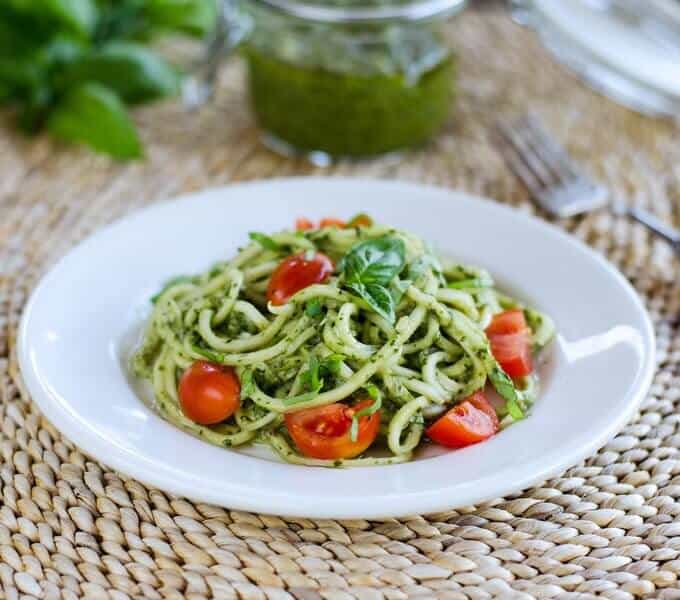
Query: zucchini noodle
column 419, row 356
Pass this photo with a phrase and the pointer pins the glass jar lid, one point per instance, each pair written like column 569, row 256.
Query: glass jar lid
column 354, row 11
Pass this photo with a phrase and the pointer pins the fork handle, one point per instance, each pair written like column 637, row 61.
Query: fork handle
column 663, row 230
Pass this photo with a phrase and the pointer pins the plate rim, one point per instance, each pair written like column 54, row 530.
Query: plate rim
column 93, row 446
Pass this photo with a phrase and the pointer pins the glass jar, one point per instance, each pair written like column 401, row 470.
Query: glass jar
column 347, row 78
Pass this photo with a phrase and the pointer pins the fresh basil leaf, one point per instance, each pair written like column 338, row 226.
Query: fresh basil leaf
column 20, row 33
column 95, row 115
column 310, row 378
column 506, row 390
column 331, row 365
column 376, row 261
column 313, row 308
column 123, row 19
column 378, row 297
column 196, row 17
column 264, row 240
column 5, row 91
column 368, row 269
column 134, row 72
column 247, row 384
column 79, row 16
column 373, row 392
column 310, row 381
column 29, row 71
column 170, row 283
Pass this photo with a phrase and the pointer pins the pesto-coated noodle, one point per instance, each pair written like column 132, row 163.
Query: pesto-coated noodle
column 406, row 329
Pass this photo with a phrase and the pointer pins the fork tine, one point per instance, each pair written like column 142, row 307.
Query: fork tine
column 553, row 154
column 517, row 166
column 533, row 160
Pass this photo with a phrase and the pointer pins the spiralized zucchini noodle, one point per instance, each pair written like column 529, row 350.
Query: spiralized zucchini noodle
column 393, row 323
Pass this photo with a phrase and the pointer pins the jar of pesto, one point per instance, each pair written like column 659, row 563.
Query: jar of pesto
column 346, row 78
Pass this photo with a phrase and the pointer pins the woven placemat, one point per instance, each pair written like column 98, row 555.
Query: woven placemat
column 70, row 527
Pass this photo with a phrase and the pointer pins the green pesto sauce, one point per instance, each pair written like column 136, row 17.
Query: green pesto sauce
column 346, row 114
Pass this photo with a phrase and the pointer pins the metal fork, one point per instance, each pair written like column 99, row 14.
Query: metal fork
column 557, row 184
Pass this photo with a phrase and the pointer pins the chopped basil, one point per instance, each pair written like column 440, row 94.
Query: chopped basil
column 375, row 394
column 313, row 308
column 247, row 384
column 506, row 389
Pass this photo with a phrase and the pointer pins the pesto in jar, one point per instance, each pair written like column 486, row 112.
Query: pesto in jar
column 348, row 114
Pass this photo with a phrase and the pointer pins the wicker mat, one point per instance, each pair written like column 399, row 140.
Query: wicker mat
column 69, row 527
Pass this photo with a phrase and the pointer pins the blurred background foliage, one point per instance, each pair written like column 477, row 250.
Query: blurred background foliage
column 74, row 66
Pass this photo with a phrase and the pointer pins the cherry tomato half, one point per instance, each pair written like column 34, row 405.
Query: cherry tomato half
column 510, row 341
column 473, row 420
column 509, row 321
column 303, row 224
column 296, row 273
column 324, row 432
column 360, row 220
column 331, row 222
column 209, row 393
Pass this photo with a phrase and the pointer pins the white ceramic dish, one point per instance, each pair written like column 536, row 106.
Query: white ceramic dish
column 76, row 334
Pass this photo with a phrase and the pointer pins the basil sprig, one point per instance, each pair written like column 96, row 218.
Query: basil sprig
column 74, row 67
column 312, row 379
column 369, row 268
column 313, row 308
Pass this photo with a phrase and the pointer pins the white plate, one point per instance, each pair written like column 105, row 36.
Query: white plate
column 76, row 329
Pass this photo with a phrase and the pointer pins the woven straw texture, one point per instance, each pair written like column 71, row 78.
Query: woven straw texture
column 610, row 527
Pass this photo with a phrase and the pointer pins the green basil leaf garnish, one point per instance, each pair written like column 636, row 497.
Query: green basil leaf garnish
column 369, row 268
column 375, row 261
column 264, row 240
column 313, row 308
column 378, row 297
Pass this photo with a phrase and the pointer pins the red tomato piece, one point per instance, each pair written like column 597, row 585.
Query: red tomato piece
column 209, row 393
column 509, row 321
column 513, row 352
column 331, row 222
column 510, row 341
column 303, row 224
column 471, row 421
column 360, row 220
column 324, row 432
column 296, row 273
